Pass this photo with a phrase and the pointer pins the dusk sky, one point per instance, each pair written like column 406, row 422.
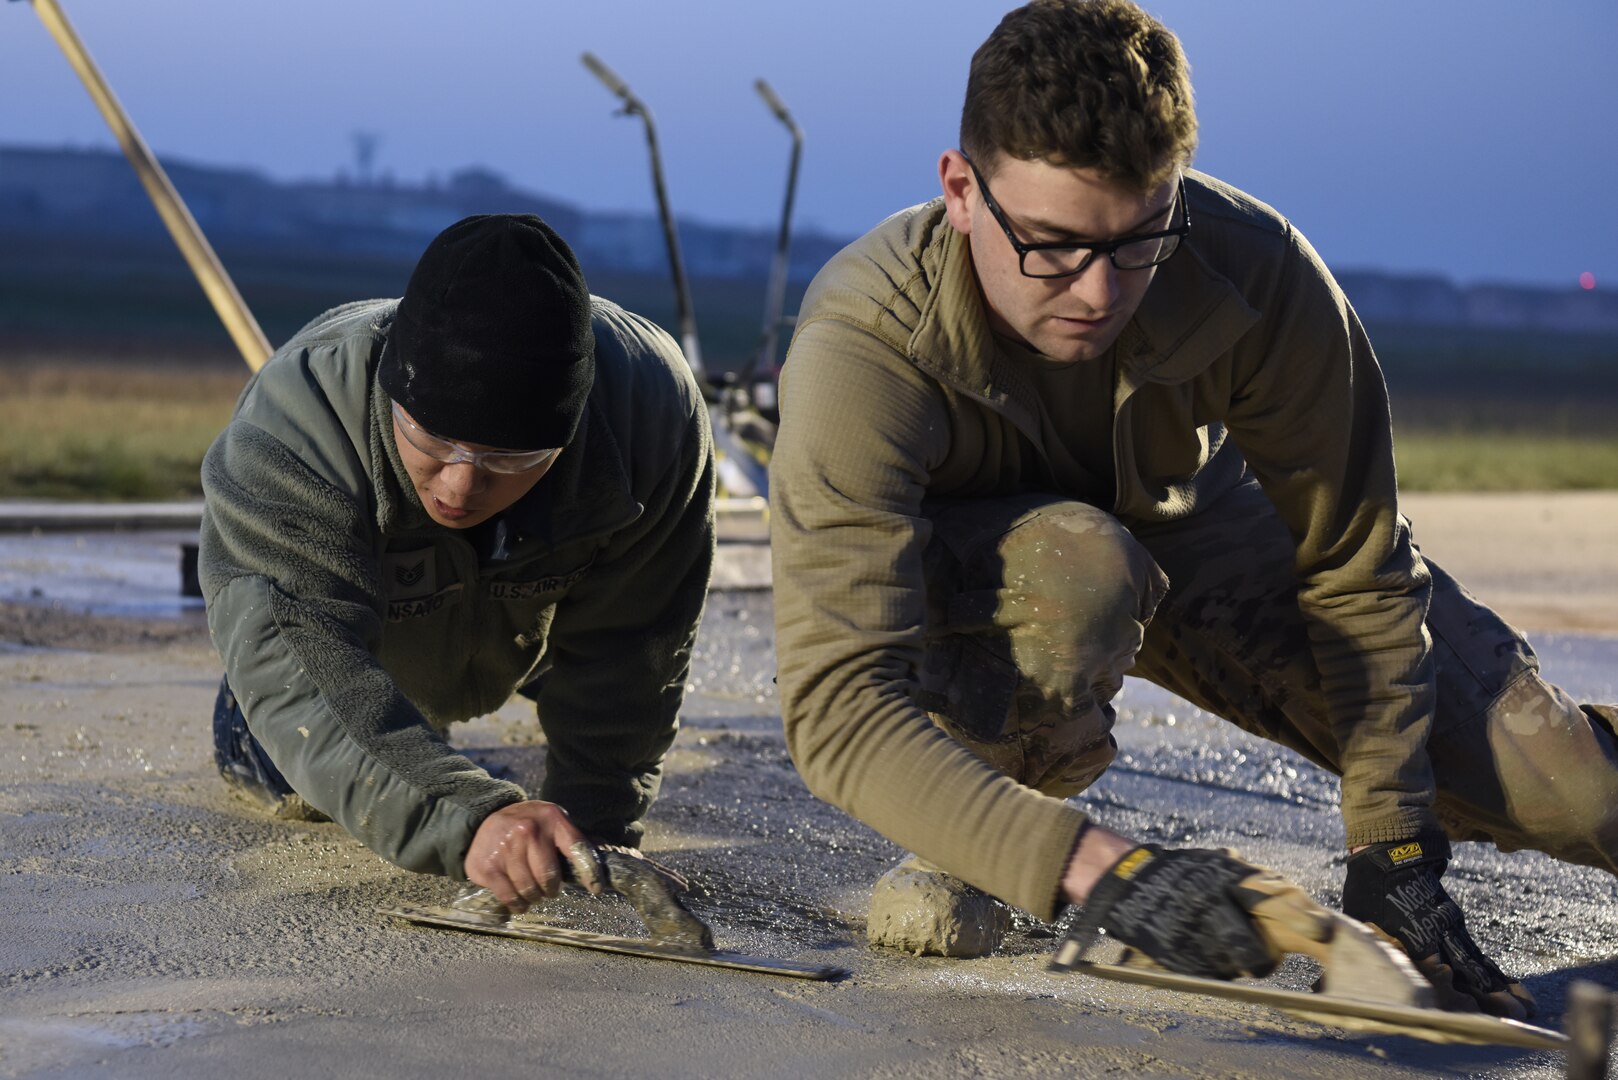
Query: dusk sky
column 1472, row 138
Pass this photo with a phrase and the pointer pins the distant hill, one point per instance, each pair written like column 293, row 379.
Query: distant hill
column 86, row 267
column 1435, row 301
column 94, row 192
column 67, row 191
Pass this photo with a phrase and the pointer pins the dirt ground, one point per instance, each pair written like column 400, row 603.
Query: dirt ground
column 159, row 927
column 1545, row 562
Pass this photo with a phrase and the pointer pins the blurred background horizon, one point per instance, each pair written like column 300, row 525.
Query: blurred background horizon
column 1464, row 138
column 1450, row 160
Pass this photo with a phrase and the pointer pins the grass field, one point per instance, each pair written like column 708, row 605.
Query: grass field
column 1505, row 461
column 103, row 430
column 1488, row 435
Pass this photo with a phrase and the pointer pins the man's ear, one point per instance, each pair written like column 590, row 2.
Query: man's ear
column 960, row 190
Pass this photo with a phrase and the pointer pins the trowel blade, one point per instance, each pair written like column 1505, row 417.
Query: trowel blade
column 1361, row 964
column 1422, row 1023
column 450, row 918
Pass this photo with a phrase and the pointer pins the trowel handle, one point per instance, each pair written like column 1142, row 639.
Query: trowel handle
column 1078, row 942
column 1589, row 1027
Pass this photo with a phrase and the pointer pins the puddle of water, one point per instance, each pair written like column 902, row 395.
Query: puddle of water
column 135, row 574
column 1585, row 665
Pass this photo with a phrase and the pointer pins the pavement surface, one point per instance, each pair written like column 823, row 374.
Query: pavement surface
column 157, row 926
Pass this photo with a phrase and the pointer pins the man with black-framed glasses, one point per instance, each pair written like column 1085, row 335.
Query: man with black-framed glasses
column 1094, row 413
column 422, row 505
column 1135, row 250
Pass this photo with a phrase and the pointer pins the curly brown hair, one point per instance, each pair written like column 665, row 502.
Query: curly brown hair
column 1083, row 83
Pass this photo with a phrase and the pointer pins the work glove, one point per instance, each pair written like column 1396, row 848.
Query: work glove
column 1202, row 912
column 1396, row 888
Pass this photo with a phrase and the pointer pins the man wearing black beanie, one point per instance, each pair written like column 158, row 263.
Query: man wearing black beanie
column 420, row 506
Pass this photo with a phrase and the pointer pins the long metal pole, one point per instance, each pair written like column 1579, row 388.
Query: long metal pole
column 775, row 297
column 634, row 106
column 227, row 302
column 682, row 290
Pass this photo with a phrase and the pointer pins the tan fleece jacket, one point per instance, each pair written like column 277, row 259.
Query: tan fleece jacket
column 1244, row 348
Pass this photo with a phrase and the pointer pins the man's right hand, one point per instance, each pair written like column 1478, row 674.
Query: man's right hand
column 519, row 851
column 1196, row 911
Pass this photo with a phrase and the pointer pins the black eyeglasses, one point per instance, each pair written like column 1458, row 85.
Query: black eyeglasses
column 1064, row 259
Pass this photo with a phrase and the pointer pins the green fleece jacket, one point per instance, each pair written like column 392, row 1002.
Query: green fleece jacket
column 1243, row 349
column 354, row 629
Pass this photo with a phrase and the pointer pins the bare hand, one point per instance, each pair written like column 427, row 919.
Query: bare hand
column 1096, row 852
column 519, row 851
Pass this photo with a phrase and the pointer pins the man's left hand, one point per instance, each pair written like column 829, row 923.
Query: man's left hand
column 1396, row 888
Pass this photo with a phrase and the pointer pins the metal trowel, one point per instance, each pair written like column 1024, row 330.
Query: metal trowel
column 653, row 891
column 1366, row 985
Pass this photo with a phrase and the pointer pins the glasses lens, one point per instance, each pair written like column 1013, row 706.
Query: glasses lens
column 498, row 461
column 427, row 443
column 1144, row 253
column 1055, row 262
column 514, row 463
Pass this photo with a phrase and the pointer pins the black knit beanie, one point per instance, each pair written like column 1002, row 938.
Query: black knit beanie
column 492, row 343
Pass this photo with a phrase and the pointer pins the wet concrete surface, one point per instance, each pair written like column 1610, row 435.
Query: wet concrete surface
column 159, row 927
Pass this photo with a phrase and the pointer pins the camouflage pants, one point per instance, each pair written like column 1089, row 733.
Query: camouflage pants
column 1038, row 607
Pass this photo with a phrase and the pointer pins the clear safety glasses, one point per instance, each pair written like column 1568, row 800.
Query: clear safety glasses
column 453, row 453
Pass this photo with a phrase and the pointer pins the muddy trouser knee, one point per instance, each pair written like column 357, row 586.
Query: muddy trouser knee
column 1036, row 608
column 1516, row 761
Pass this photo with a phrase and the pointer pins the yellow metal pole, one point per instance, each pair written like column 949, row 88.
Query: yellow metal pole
column 244, row 329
